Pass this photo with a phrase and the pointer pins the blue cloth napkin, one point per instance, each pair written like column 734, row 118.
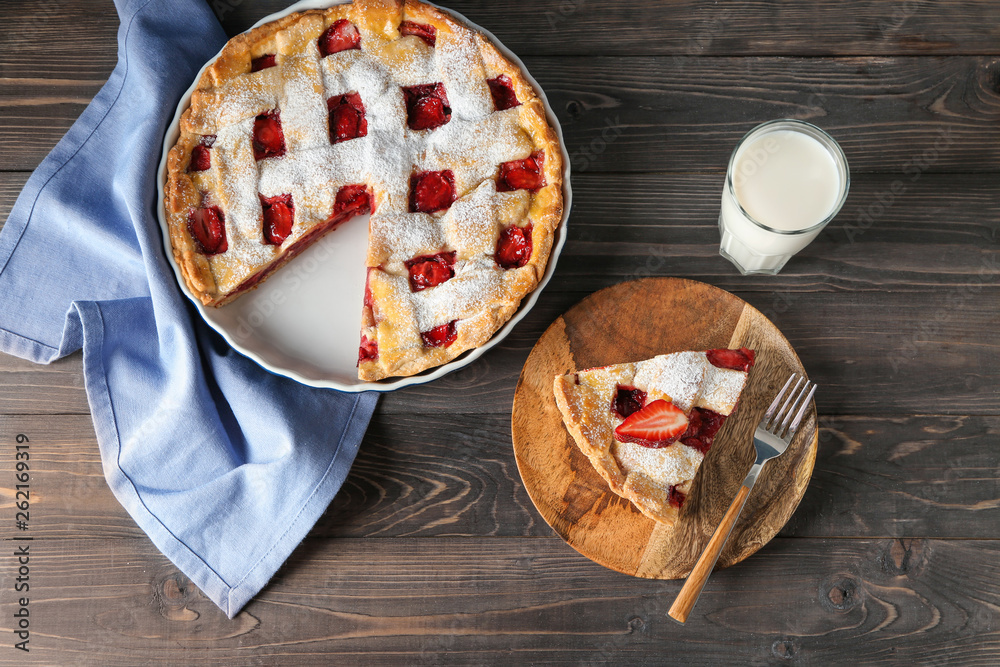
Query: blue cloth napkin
column 225, row 466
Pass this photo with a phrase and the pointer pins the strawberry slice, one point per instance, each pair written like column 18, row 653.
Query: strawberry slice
column 208, row 227
column 431, row 191
column 279, row 215
column 441, row 336
column 430, row 270
column 428, row 33
column 523, row 174
column 341, row 36
column 368, row 350
column 503, row 93
column 426, row 106
column 737, row 360
column 675, row 497
column 201, row 155
column 514, row 247
column 201, row 158
column 347, row 117
column 351, row 200
column 657, row 425
column 264, row 62
column 268, row 138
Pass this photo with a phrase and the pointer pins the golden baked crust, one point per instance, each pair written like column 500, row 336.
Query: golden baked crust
column 472, row 145
column 649, row 478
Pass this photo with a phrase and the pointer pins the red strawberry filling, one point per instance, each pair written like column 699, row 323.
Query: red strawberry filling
column 627, row 401
column 268, row 138
column 503, row 94
column 523, row 174
column 341, row 36
column 207, row 226
column 201, row 155
column 264, row 62
column 201, row 158
column 279, row 214
column 656, row 425
column 347, row 117
column 514, row 247
column 428, row 33
column 426, row 106
column 431, row 191
column 675, row 497
column 430, row 270
column 737, row 360
column 368, row 350
column 702, row 427
column 441, row 336
column 351, row 200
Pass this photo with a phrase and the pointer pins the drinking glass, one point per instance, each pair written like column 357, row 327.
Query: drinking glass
column 786, row 180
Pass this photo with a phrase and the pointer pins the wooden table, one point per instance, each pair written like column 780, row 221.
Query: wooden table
column 433, row 552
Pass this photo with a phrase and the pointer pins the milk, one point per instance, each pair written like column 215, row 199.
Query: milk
column 786, row 180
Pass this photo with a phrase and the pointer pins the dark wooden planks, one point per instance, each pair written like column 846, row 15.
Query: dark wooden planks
column 454, row 474
column 28, row 388
column 56, row 39
column 941, row 231
column 690, row 27
column 576, row 27
column 10, row 186
column 897, row 114
column 894, row 352
column 519, row 601
column 924, row 475
column 655, row 114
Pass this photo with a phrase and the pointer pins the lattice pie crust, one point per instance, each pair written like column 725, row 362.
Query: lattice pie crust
column 388, row 106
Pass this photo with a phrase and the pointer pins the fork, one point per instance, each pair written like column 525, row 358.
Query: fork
column 771, row 439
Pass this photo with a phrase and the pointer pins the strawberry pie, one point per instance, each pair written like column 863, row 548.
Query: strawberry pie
column 380, row 107
column 646, row 426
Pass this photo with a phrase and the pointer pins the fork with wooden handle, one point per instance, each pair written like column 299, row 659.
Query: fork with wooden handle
column 771, row 439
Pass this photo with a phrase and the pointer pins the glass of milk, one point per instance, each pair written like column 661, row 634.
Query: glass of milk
column 786, row 180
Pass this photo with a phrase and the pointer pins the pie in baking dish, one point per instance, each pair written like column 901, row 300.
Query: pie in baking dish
column 646, row 426
column 385, row 107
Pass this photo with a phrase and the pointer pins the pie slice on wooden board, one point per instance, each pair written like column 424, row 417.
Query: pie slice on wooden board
column 646, row 426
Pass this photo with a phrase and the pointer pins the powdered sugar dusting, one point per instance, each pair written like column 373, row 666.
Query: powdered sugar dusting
column 402, row 237
column 464, row 78
column 722, row 389
column 476, row 286
column 680, row 375
column 472, row 221
column 472, row 145
column 664, row 467
column 476, row 148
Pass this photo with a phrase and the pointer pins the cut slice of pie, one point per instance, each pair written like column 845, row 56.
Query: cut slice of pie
column 646, row 426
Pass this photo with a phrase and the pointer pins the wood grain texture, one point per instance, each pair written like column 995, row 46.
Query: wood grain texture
column 631, row 322
column 455, row 475
column 897, row 319
column 517, row 601
column 652, row 114
column 689, row 28
column 890, row 350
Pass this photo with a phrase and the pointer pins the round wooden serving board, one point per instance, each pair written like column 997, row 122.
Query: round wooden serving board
column 630, row 322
